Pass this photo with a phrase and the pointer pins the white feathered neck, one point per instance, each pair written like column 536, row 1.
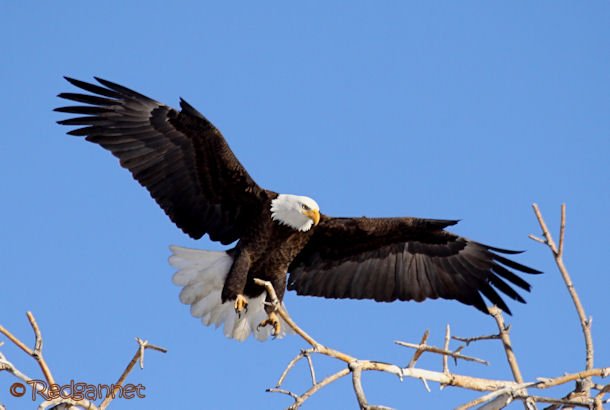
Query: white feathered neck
column 288, row 210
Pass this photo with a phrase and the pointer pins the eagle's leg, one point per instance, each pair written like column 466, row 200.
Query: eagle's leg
column 235, row 282
column 271, row 306
column 274, row 321
column 241, row 304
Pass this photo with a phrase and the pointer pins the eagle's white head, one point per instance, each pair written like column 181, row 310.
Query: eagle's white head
column 297, row 212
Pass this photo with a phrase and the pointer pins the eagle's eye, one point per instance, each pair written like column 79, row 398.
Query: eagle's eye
column 305, row 207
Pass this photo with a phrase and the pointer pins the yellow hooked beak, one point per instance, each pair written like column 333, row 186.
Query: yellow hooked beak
column 314, row 215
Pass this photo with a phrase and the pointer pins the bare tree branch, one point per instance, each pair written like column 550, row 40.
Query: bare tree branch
column 304, row 353
column 300, row 399
column 68, row 403
column 493, row 395
column 433, row 349
column 545, row 383
column 356, row 370
column 599, row 398
column 446, row 349
column 513, row 389
column 558, row 256
column 469, row 340
column 559, row 402
column 138, row 356
column 328, row 380
column 11, row 368
column 36, row 353
column 357, row 382
column 283, row 391
column 417, row 354
column 496, row 313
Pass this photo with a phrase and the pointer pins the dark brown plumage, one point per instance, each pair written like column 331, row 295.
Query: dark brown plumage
column 198, row 181
column 189, row 169
column 389, row 259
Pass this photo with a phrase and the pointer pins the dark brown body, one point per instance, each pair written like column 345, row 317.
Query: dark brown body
column 264, row 252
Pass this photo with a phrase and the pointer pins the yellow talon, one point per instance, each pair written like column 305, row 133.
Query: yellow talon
column 241, row 304
column 274, row 321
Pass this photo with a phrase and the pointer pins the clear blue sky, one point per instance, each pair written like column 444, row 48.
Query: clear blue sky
column 469, row 110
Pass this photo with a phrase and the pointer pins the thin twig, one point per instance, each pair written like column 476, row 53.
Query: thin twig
column 312, row 371
column 37, row 334
column 16, row 341
column 299, row 400
column 417, row 354
column 425, row 383
column 437, row 350
column 498, row 403
column 599, row 398
column 469, row 340
column 562, row 229
column 283, row 391
column 508, row 348
column 492, row 395
column 138, row 356
column 290, row 365
column 284, row 315
column 356, row 369
column 537, row 239
column 11, row 368
column 36, row 353
column 357, row 382
column 544, row 383
column 551, row 400
column 446, row 348
column 545, row 230
column 78, row 404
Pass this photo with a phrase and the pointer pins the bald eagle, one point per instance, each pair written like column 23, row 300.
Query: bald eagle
column 189, row 170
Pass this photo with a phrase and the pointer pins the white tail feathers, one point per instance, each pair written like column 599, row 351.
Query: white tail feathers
column 202, row 275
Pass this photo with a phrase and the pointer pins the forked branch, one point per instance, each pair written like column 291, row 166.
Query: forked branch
column 585, row 323
column 36, row 353
column 138, row 356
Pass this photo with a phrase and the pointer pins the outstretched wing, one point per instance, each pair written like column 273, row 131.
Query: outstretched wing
column 179, row 157
column 390, row 259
